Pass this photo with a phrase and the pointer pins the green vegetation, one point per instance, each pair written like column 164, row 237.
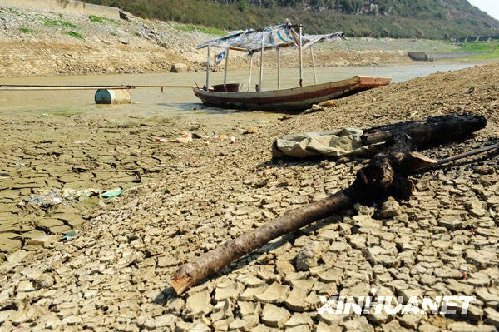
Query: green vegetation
column 100, row 19
column 25, row 30
column 435, row 19
column 48, row 22
column 75, row 34
column 198, row 28
column 484, row 50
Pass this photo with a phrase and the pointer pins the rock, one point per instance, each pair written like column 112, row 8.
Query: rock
column 410, row 321
column 275, row 293
column 48, row 223
column 380, row 256
column 365, row 221
column 229, row 290
column 274, row 316
column 247, row 308
column 483, row 258
column 7, row 244
column 492, row 317
column 124, row 40
column 250, row 293
column 451, row 222
column 5, row 315
column 198, row 304
column 179, row 68
column 394, row 326
column 357, row 324
column 296, row 300
column 410, row 293
column 390, row 208
column 165, row 321
column 299, row 319
column 465, row 327
column 244, row 324
column 25, row 286
column 307, row 257
column 426, row 327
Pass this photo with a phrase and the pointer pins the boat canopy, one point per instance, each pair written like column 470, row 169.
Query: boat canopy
column 271, row 37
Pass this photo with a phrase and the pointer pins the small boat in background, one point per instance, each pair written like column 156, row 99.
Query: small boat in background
column 227, row 95
column 290, row 100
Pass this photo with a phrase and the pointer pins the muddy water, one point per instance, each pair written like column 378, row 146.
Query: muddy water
column 181, row 101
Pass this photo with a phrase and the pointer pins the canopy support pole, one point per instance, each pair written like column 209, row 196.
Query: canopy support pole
column 250, row 71
column 208, row 69
column 300, row 49
column 226, row 66
column 313, row 62
column 261, row 63
column 278, row 68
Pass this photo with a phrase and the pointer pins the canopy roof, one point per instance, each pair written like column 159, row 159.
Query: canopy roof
column 273, row 37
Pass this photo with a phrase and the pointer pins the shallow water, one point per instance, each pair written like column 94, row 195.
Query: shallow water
column 181, row 101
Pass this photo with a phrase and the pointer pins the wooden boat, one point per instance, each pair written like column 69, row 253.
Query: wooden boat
column 289, row 100
column 300, row 98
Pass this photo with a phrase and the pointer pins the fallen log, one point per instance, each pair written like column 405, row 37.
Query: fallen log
column 385, row 175
column 431, row 132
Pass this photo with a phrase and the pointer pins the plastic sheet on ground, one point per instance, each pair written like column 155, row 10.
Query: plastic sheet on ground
column 338, row 143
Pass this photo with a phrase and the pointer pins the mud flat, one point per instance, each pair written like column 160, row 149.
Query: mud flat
column 193, row 196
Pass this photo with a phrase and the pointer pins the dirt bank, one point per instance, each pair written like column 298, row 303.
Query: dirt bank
column 193, row 196
column 35, row 43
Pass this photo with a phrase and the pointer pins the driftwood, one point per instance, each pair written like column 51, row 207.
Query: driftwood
column 385, row 175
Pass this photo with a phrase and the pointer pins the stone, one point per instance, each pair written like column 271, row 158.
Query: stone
column 5, row 315
column 357, row 324
column 8, row 244
column 244, row 324
column 379, row 256
column 179, row 68
column 275, row 293
column 426, row 327
column 307, row 257
column 331, row 275
column 274, row 316
column 390, row 208
column 492, row 317
column 448, row 273
column 299, row 319
column 410, row 321
column 59, row 229
column 166, row 261
column 394, row 326
column 124, row 40
column 229, row 291
column 367, row 222
column 296, row 300
column 410, row 293
column 48, row 223
column 250, row 293
column 165, row 321
column 198, row 304
column 247, row 308
column 465, row 327
column 483, row 258
column 25, row 286
column 451, row 222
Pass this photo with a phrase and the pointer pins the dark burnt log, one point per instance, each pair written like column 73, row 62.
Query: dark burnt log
column 385, row 175
column 433, row 131
column 374, row 182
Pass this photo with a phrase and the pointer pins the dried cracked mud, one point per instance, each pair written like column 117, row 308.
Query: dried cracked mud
column 183, row 199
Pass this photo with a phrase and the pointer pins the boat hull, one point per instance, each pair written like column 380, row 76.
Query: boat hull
column 289, row 100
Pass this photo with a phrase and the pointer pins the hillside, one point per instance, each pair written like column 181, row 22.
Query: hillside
column 435, row 19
